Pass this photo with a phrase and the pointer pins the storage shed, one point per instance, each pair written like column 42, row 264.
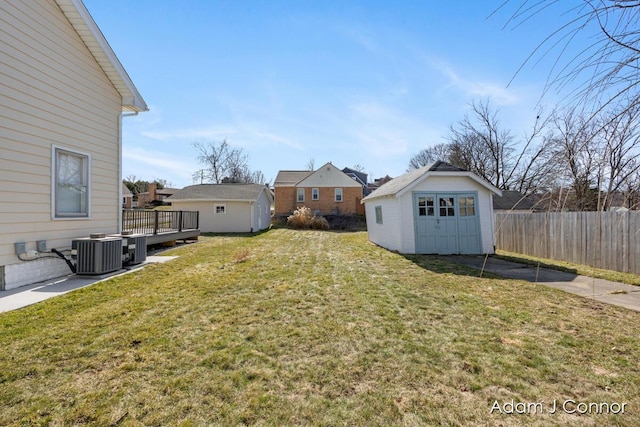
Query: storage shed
column 227, row 208
column 437, row 209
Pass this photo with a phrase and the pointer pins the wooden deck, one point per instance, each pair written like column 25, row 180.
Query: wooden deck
column 161, row 226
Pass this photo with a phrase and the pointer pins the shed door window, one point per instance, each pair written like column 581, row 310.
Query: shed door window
column 446, row 206
column 426, row 206
column 466, row 206
column 71, row 184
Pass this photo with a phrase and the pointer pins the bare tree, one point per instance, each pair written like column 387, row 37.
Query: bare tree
column 480, row 145
column 576, row 156
column 603, row 71
column 310, row 164
column 621, row 146
column 429, row 155
column 220, row 161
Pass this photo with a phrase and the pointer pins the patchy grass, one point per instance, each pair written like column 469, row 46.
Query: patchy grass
column 584, row 270
column 313, row 328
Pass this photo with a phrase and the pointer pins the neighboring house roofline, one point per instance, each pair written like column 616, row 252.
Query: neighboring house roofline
column 81, row 20
column 348, row 182
column 221, row 193
column 290, row 178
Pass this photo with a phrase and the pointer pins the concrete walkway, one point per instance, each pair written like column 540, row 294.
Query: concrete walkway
column 605, row 291
column 31, row 294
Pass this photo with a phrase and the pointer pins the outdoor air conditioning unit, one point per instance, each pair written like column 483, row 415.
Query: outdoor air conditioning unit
column 134, row 248
column 97, row 254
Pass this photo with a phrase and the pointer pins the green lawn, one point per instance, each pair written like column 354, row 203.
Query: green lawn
column 314, row 328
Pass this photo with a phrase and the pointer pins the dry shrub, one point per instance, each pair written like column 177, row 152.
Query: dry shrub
column 319, row 223
column 304, row 218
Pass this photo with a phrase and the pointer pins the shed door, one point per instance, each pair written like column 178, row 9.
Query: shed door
column 446, row 223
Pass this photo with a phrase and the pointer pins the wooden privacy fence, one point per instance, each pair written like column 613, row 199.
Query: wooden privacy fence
column 609, row 240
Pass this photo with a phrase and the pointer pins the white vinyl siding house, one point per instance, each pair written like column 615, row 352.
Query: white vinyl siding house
column 226, row 208
column 436, row 209
column 63, row 93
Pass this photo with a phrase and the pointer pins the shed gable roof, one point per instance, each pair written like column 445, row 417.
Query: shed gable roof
column 221, row 192
column 405, row 182
column 81, row 20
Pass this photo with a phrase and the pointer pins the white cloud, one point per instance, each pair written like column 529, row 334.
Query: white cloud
column 470, row 87
column 151, row 164
column 385, row 132
column 216, row 132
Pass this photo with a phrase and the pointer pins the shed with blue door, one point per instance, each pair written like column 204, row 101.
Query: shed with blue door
column 437, row 209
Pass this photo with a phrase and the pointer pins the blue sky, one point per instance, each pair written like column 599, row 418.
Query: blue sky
column 351, row 82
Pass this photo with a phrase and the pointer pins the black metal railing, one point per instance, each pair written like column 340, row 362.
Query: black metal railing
column 139, row 221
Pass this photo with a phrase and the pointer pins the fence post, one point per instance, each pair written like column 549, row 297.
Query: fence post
column 180, row 220
column 155, row 222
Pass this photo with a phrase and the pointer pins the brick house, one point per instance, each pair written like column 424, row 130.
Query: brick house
column 154, row 194
column 326, row 191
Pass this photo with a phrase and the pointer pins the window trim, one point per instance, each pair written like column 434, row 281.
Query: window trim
column 300, row 192
column 55, row 215
column 220, row 205
column 315, row 194
column 335, row 195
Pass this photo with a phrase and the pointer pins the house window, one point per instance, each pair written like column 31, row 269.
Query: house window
column 338, row 195
column 378, row 214
column 315, row 194
column 300, row 195
column 220, row 209
column 70, row 184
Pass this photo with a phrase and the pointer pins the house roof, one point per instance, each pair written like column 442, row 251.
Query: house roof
column 329, row 175
column 513, row 200
column 290, row 178
column 125, row 191
column 79, row 17
column 166, row 191
column 221, row 192
column 360, row 176
column 403, row 182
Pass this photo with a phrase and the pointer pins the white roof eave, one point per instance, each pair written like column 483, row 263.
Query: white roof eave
column 467, row 174
column 88, row 30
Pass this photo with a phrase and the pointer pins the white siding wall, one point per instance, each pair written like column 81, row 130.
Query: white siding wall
column 262, row 213
column 237, row 218
column 386, row 234
column 52, row 92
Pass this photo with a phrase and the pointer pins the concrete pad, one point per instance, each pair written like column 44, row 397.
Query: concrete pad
column 32, row 294
column 605, row 291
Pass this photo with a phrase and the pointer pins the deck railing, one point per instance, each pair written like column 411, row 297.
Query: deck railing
column 139, row 221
